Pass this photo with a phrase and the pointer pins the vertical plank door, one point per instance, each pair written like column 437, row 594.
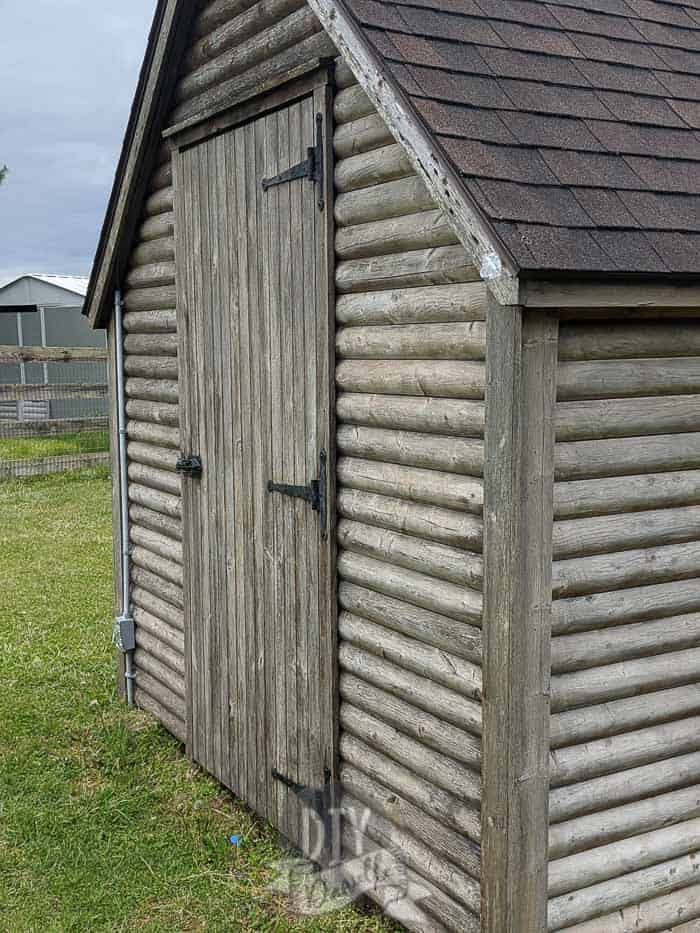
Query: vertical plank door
column 254, row 354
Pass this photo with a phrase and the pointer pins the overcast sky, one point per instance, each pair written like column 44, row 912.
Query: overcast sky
column 68, row 69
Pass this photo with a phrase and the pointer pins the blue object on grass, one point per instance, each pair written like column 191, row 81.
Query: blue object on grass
column 235, row 840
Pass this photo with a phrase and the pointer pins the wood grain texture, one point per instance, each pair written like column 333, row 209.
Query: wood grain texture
column 430, row 378
column 431, row 730
column 625, row 658
column 436, row 665
column 444, row 265
column 455, row 417
column 446, row 773
column 436, row 802
column 419, row 341
column 615, row 340
column 150, row 322
column 398, row 680
column 385, row 201
column 617, row 858
column 395, row 235
column 361, row 135
column 444, row 526
column 614, row 717
column 423, row 624
column 402, row 814
column 520, row 395
column 673, row 913
column 598, row 794
column 450, row 599
column 446, row 454
column 255, row 668
column 435, row 560
column 588, row 831
column 430, row 486
column 429, row 304
column 607, row 896
column 410, row 378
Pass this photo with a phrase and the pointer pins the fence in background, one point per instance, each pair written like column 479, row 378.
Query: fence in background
column 53, row 409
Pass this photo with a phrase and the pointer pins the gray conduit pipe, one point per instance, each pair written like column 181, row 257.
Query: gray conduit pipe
column 124, row 632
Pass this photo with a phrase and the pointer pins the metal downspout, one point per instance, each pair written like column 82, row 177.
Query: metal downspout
column 124, row 633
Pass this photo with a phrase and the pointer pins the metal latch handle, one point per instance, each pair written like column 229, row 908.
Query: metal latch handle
column 189, row 466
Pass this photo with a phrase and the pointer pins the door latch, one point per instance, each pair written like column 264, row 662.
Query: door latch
column 295, row 787
column 311, row 167
column 315, row 493
column 189, row 466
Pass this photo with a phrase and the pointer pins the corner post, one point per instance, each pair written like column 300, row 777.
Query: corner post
column 521, row 360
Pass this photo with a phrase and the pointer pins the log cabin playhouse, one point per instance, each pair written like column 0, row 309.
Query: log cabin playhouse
column 417, row 281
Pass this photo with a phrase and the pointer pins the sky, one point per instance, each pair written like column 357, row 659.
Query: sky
column 68, row 71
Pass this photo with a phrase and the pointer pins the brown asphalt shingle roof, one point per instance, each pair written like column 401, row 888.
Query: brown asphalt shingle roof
column 575, row 125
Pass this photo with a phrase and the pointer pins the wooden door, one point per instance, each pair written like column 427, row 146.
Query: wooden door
column 255, row 334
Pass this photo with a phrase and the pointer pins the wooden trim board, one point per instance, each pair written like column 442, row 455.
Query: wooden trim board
column 52, row 391
column 521, row 362
column 275, row 93
column 12, row 354
column 640, row 298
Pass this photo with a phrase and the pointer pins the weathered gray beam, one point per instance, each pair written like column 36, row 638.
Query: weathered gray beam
column 518, row 503
column 37, row 393
column 12, row 354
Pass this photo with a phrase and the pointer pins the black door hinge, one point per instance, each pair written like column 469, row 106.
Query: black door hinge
column 315, row 493
column 311, row 167
column 189, row 466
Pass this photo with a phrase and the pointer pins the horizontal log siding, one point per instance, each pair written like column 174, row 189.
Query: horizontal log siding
column 410, row 347
column 240, row 45
column 150, row 346
column 236, row 45
column 625, row 725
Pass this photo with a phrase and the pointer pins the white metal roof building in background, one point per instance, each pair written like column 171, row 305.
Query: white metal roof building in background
column 44, row 289
column 39, row 310
column 45, row 310
column 71, row 283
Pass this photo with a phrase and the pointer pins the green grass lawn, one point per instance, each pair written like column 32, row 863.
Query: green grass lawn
column 31, row 448
column 104, row 824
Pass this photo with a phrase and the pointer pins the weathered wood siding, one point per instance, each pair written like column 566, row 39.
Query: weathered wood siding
column 255, row 392
column 625, row 725
column 236, row 46
column 239, row 47
column 410, row 377
column 150, row 346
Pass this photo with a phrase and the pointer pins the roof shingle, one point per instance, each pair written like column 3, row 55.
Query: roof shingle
column 574, row 123
column 575, row 126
